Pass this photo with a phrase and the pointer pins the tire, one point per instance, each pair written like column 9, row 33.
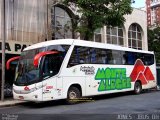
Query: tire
column 137, row 88
column 73, row 95
column 7, row 90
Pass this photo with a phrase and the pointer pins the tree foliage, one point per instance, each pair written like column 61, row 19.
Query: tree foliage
column 154, row 42
column 97, row 13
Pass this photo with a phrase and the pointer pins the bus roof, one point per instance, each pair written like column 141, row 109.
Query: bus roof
column 83, row 43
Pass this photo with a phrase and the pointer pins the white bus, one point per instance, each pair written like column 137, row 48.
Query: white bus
column 70, row 69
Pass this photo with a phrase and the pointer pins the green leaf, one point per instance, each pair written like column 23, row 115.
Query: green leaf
column 97, row 13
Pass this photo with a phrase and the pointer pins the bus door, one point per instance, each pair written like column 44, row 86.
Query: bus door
column 59, row 87
column 51, row 81
column 53, row 88
column 49, row 87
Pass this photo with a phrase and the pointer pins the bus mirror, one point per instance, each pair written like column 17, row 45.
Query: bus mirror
column 41, row 54
column 10, row 60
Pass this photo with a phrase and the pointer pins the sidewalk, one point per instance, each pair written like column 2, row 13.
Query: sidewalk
column 10, row 102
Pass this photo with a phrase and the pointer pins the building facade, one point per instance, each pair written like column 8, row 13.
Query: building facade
column 33, row 21
column 132, row 34
column 153, row 12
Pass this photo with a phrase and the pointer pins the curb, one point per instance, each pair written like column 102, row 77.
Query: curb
column 12, row 103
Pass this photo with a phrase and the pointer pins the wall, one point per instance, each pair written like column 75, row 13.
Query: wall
column 29, row 21
column 140, row 17
column 26, row 20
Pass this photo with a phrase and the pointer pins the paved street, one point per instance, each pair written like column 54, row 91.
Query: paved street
column 124, row 103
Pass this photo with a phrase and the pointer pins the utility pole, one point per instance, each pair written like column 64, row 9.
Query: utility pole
column 3, row 48
column 47, row 22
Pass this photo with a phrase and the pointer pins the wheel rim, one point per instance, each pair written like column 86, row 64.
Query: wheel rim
column 137, row 88
column 72, row 95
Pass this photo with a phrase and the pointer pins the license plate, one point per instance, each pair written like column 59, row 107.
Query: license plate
column 21, row 97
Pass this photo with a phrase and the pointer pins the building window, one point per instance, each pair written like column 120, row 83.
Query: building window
column 135, row 37
column 61, row 23
column 115, row 35
column 98, row 35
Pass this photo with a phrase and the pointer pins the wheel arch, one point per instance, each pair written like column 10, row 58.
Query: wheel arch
column 77, row 86
column 139, row 81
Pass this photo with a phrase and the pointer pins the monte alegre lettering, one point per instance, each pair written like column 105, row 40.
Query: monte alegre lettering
column 112, row 79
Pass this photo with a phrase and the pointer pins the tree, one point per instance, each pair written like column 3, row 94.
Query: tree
column 154, row 42
column 97, row 13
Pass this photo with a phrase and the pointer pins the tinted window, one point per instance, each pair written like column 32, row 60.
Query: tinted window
column 101, row 57
column 51, row 66
column 131, row 58
column 140, row 56
column 93, row 54
column 86, row 55
column 124, row 57
column 60, row 48
column 149, row 59
column 52, row 63
column 117, row 58
column 27, row 73
column 80, row 55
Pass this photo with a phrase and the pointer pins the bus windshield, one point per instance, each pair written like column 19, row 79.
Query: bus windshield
column 27, row 73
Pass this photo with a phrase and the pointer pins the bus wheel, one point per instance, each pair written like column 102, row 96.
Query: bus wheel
column 137, row 88
column 73, row 95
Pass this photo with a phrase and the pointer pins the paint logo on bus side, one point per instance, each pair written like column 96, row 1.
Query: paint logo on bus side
column 113, row 79
column 116, row 79
column 88, row 70
column 142, row 73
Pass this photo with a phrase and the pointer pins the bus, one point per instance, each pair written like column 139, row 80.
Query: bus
column 71, row 69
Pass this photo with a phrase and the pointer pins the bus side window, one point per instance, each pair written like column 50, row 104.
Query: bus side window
column 149, row 59
column 116, row 57
column 140, row 56
column 99, row 56
column 51, row 66
column 80, row 55
column 93, row 55
column 131, row 58
column 124, row 58
column 74, row 58
column 109, row 57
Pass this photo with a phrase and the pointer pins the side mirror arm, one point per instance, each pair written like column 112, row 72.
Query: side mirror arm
column 41, row 54
column 10, row 60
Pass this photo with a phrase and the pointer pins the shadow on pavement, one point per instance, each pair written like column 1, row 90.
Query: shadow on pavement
column 95, row 98
column 44, row 104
